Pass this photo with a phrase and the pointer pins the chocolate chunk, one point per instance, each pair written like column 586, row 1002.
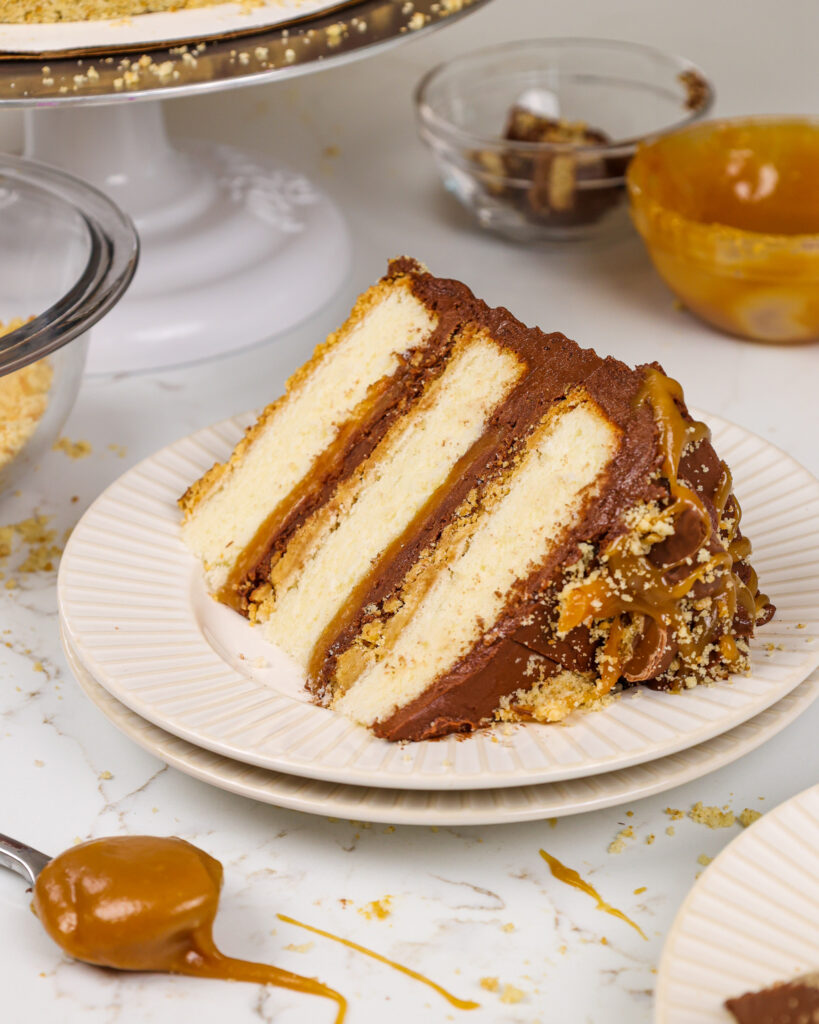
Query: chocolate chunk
column 651, row 654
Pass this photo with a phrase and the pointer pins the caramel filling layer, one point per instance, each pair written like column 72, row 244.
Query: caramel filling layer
column 355, row 440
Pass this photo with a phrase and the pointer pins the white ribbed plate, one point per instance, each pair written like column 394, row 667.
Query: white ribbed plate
column 452, row 807
column 134, row 608
column 751, row 919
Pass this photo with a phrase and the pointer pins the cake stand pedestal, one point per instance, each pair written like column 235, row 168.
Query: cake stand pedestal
column 236, row 248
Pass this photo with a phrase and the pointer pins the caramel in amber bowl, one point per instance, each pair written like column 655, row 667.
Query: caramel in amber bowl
column 729, row 212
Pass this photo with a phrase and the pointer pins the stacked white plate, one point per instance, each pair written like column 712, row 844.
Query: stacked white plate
column 197, row 685
column 752, row 919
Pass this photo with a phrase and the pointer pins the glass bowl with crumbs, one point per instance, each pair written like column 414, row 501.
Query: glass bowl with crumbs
column 67, row 254
column 534, row 137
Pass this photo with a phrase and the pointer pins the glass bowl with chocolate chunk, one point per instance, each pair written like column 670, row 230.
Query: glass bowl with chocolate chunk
column 67, row 253
column 534, row 137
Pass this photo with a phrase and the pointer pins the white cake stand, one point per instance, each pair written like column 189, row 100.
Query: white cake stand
column 236, row 248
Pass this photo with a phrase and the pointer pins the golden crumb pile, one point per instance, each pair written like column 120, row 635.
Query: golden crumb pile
column 618, row 844
column 23, row 401
column 748, row 817
column 25, row 12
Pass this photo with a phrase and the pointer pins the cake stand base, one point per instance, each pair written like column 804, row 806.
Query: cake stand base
column 235, row 247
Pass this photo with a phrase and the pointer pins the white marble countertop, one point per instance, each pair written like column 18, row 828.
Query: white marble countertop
column 465, row 904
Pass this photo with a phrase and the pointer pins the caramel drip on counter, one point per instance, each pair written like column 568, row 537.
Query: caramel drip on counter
column 459, row 1004
column 570, row 877
column 631, row 585
column 145, row 903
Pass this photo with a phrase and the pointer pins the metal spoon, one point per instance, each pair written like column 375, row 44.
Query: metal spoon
column 25, row 860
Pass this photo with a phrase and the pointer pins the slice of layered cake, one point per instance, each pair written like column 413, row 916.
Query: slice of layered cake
column 451, row 518
column 787, row 1002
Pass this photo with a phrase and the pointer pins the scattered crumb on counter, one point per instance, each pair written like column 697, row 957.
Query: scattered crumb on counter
column 511, row 994
column 670, row 830
column 748, row 817
column 649, row 839
column 378, row 908
column 508, row 927
column 490, row 984
column 118, row 449
column 105, row 776
column 73, row 449
column 618, row 844
column 638, row 892
column 704, row 859
column 42, row 553
column 304, row 947
column 712, row 817
column 674, row 813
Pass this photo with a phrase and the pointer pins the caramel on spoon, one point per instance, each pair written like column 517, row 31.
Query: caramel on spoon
column 141, row 903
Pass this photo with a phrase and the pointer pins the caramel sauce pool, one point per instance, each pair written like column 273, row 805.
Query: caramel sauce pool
column 144, row 903
column 570, row 877
column 729, row 211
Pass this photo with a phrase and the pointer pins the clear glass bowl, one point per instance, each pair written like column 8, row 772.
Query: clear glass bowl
column 67, row 254
column 729, row 213
column 615, row 94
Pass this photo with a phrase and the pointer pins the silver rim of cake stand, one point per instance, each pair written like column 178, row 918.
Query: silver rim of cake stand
column 291, row 50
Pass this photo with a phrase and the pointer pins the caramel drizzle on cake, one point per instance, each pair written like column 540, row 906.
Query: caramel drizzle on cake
column 649, row 593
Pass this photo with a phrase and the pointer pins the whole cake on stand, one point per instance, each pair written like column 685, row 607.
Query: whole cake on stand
column 236, row 247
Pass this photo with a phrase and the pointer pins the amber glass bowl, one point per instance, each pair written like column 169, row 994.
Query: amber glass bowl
column 729, row 212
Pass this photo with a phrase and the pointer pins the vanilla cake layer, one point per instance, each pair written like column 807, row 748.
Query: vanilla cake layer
column 337, row 547
column 564, row 460
column 234, row 509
